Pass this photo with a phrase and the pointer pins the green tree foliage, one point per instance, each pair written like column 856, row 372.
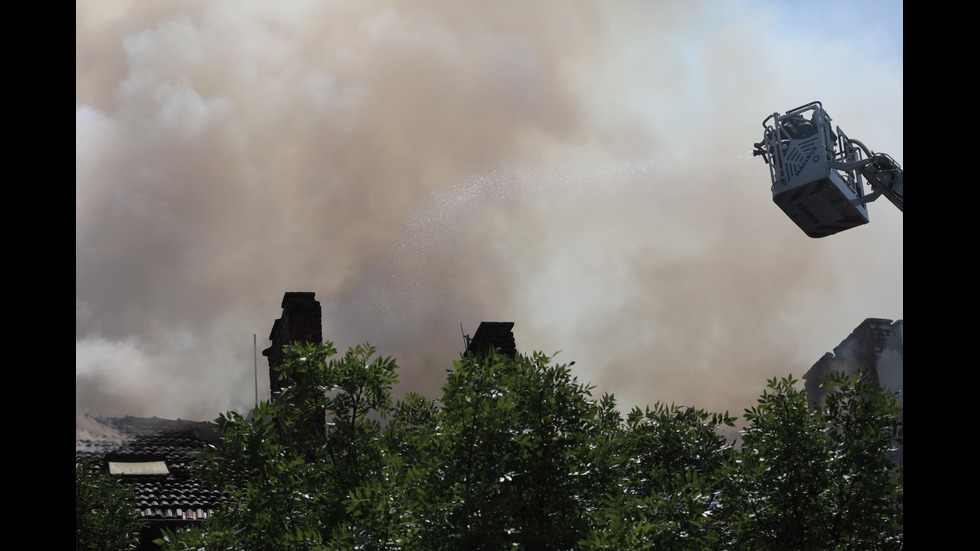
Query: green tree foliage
column 106, row 515
column 291, row 465
column 516, row 460
column 818, row 479
column 668, row 460
column 518, row 454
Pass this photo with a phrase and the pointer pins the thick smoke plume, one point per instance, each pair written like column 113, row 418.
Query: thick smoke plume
column 580, row 168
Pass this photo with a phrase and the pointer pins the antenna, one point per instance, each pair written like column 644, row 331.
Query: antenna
column 255, row 361
column 466, row 338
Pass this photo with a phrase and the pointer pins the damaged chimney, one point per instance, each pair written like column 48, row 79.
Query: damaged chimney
column 876, row 345
column 300, row 322
column 493, row 335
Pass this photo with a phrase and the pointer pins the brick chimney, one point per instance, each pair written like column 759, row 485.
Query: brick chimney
column 300, row 322
column 493, row 334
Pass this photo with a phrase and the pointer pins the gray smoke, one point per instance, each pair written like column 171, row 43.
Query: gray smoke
column 580, row 168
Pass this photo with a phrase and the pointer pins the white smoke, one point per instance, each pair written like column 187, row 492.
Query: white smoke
column 580, row 168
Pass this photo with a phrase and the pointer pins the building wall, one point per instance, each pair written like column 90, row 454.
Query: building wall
column 876, row 345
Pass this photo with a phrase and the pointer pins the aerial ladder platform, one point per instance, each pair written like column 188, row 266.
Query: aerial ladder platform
column 819, row 174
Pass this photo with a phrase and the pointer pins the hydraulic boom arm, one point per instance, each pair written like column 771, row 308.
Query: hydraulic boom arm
column 884, row 176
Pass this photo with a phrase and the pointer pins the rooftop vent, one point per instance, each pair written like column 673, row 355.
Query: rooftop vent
column 138, row 468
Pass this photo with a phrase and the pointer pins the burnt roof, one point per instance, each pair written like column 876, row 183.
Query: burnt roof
column 162, row 498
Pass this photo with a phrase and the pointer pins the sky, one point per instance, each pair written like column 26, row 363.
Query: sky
column 581, row 168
